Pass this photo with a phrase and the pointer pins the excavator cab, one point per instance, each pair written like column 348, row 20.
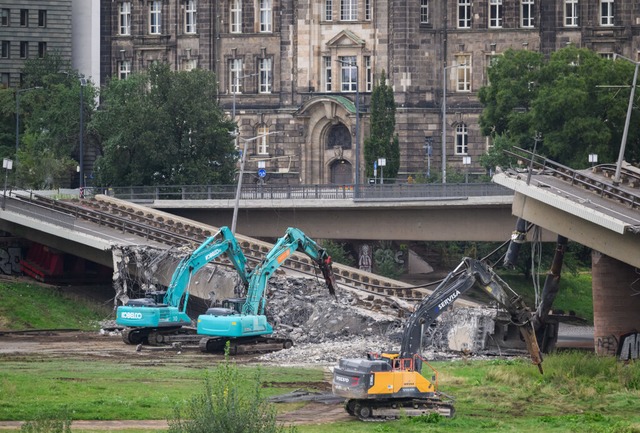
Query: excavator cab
column 229, row 307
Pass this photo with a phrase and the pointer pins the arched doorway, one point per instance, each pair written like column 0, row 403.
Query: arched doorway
column 339, row 139
column 341, row 172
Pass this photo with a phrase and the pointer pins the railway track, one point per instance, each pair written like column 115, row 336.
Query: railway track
column 371, row 291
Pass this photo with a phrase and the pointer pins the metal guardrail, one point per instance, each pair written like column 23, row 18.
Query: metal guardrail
column 403, row 191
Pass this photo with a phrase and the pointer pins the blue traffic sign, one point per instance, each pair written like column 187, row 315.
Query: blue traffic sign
column 262, row 172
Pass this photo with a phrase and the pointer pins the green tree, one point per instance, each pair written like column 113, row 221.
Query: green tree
column 382, row 141
column 170, row 131
column 576, row 99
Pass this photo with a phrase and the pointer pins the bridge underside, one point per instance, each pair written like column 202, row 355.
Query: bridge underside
column 389, row 222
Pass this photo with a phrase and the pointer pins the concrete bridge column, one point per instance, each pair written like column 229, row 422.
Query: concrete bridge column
column 616, row 307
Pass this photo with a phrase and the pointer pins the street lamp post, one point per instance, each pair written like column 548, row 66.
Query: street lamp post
column 83, row 83
column 382, row 163
column 444, row 120
column 240, row 175
column 466, row 161
column 616, row 177
column 357, row 146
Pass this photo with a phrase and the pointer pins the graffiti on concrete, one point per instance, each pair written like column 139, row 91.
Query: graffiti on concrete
column 10, row 260
column 607, row 345
column 629, row 347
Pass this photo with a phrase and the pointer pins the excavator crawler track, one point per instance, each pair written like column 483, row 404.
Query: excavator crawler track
column 374, row 410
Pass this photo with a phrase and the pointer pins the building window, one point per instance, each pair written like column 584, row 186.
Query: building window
column 125, row 18
column 570, row 13
column 266, row 17
column 155, row 17
column 327, row 73
column 348, row 73
column 190, row 15
column 424, row 11
column 264, row 76
column 462, row 139
column 368, row 74
column 42, row 18
column 236, row 16
column 328, row 10
column 6, row 49
column 495, row 14
column 24, row 49
column 4, row 17
column 464, row 14
column 5, row 79
column 606, row 12
column 42, row 49
column 349, row 10
column 491, row 59
column 367, row 10
column 124, row 69
column 262, row 144
column 235, row 75
column 526, row 13
column 463, row 76
column 24, row 17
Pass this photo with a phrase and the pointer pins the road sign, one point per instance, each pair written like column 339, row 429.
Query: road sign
column 262, row 172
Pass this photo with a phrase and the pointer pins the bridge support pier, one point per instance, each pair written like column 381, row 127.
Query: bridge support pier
column 616, row 311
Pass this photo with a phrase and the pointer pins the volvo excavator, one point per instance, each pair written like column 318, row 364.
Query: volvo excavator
column 384, row 386
column 161, row 317
column 243, row 322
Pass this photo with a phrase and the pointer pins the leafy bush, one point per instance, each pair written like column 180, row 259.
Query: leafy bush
column 223, row 406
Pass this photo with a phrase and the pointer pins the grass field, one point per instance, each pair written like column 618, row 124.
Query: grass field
column 579, row 392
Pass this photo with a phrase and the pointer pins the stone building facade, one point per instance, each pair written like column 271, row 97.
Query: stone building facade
column 293, row 69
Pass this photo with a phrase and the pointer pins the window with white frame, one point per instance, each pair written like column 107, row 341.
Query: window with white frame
column 462, row 139
column 124, row 69
column 464, row 14
column 125, row 18
column 368, row 74
column 190, row 17
column 463, row 75
column 424, row 11
column 526, row 13
column 235, row 74
column 264, row 75
column 189, row 64
column 327, row 75
column 608, row 56
column 348, row 10
column 328, row 10
column 266, row 16
column 367, row 10
column 236, row 16
column 490, row 61
column 155, row 17
column 495, row 14
column 348, row 74
column 570, row 13
column 606, row 12
column 262, row 143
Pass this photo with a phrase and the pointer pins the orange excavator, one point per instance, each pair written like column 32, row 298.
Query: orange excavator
column 387, row 385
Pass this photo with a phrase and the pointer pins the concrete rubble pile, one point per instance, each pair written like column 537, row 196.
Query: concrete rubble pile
column 325, row 329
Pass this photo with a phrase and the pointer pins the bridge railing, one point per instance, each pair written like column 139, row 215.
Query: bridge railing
column 402, row 191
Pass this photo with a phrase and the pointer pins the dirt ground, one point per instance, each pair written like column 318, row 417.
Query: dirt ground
column 94, row 345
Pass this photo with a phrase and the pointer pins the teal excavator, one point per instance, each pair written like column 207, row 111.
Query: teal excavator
column 161, row 317
column 243, row 322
